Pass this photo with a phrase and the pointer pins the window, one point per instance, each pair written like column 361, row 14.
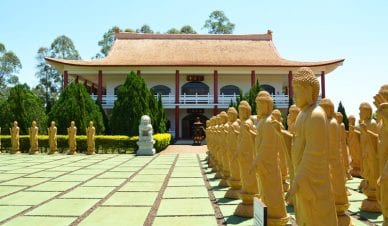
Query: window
column 230, row 90
column 161, row 89
column 270, row 89
column 192, row 88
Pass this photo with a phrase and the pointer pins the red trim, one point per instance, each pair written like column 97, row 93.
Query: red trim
column 138, row 72
column 203, row 65
column 323, row 85
column 215, row 110
column 253, row 78
column 65, row 79
column 177, row 122
column 215, row 76
column 177, row 86
column 99, row 89
column 290, row 89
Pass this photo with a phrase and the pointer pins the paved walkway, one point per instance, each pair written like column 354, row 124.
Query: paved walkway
column 168, row 189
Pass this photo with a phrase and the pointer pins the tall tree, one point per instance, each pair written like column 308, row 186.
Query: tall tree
column 49, row 79
column 25, row 107
column 64, row 48
column 9, row 66
column 251, row 96
column 75, row 104
column 145, row 29
column 341, row 109
column 218, row 23
column 107, row 41
column 187, row 29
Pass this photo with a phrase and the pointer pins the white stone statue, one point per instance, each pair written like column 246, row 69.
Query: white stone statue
column 146, row 141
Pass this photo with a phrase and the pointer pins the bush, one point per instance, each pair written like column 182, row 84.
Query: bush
column 24, row 107
column 104, row 144
column 75, row 104
column 134, row 100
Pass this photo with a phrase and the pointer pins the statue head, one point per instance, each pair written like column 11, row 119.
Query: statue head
column 15, row 123
column 352, row 120
column 91, row 123
column 306, row 87
column 276, row 115
column 293, row 112
column 365, row 111
column 384, row 92
column 232, row 114
column 33, row 124
column 72, row 123
column 207, row 123
column 264, row 103
column 145, row 120
column 328, row 106
column 52, row 123
column 339, row 117
column 223, row 117
column 244, row 110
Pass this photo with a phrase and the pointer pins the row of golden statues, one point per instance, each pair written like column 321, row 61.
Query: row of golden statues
column 257, row 156
column 33, row 133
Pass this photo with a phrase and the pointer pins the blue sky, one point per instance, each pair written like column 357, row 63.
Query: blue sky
column 303, row 30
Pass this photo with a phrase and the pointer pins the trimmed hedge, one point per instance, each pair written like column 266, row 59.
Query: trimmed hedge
column 104, row 144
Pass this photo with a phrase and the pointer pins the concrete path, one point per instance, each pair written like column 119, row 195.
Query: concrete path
column 172, row 188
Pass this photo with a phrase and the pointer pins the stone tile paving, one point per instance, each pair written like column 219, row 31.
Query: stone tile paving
column 172, row 188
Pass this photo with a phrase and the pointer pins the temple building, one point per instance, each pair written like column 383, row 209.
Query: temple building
column 197, row 74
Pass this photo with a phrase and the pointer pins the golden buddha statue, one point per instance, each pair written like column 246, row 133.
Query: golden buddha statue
column 354, row 147
column 90, row 135
column 72, row 133
column 314, row 200
column 381, row 102
column 293, row 112
column 277, row 115
column 234, row 180
column 14, row 131
column 223, row 149
column 210, row 142
column 267, row 162
column 52, row 135
column 343, row 145
column 337, row 170
column 216, row 167
column 245, row 147
column 33, row 135
column 370, row 169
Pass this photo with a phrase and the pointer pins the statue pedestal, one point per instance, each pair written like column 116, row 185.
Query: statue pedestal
column 234, row 190
column 245, row 208
column 146, row 148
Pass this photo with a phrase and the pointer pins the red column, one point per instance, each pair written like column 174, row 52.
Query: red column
column 215, row 77
column 92, row 89
column 177, row 104
column 253, row 78
column 138, row 72
column 99, row 85
column 65, row 79
column 76, row 79
column 177, row 122
column 323, row 84
column 85, row 83
column 290, row 90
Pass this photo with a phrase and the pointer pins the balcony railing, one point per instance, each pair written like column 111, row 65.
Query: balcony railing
column 281, row 101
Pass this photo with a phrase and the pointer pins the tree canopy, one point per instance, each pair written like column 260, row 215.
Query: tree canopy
column 218, row 23
column 145, row 29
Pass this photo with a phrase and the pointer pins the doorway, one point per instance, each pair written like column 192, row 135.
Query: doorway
column 187, row 124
